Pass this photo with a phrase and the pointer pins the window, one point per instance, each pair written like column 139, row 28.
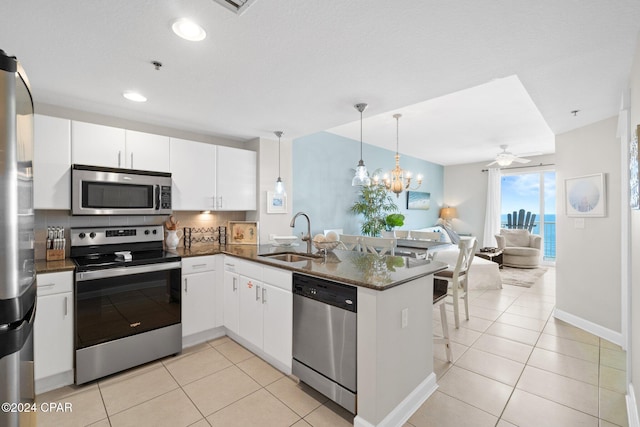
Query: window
column 534, row 192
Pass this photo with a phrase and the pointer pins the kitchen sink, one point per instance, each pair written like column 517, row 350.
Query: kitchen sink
column 291, row 256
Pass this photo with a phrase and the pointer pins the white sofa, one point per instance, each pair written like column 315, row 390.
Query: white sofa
column 483, row 274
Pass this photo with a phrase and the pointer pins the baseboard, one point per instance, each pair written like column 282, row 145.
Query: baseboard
column 283, row 367
column 409, row 405
column 200, row 337
column 595, row 329
column 53, row 382
column 632, row 408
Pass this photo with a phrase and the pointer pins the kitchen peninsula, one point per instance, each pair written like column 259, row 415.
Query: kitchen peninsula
column 394, row 318
column 394, row 323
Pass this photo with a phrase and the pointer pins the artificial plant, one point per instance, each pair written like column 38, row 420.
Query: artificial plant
column 374, row 204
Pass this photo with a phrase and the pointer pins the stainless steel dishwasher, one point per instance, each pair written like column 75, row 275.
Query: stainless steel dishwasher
column 324, row 337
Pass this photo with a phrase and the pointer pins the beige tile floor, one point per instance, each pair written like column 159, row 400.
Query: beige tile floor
column 514, row 366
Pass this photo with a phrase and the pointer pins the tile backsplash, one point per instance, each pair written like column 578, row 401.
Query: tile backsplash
column 57, row 218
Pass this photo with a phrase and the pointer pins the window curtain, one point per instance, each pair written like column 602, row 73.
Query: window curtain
column 492, row 214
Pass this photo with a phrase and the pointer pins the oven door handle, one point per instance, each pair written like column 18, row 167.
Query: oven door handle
column 125, row 271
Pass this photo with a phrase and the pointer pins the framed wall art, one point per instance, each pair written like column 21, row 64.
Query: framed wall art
column 242, row 233
column 418, row 200
column 585, row 196
column 276, row 203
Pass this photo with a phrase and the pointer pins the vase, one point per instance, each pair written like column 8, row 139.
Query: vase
column 172, row 239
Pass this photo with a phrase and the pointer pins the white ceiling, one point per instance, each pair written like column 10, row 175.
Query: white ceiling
column 299, row 66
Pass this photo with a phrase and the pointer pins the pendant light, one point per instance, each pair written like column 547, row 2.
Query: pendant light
column 400, row 179
column 361, row 178
column 279, row 184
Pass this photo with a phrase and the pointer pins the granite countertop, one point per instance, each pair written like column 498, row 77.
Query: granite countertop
column 44, row 266
column 354, row 268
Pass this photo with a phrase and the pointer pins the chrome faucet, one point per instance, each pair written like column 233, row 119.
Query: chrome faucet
column 306, row 238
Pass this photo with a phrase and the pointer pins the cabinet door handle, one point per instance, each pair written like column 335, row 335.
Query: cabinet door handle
column 185, row 284
column 198, row 265
column 264, row 295
column 131, row 161
column 66, row 306
column 119, row 154
column 48, row 285
column 257, row 293
column 235, row 284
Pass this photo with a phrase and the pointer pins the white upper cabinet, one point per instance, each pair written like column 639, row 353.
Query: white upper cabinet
column 146, row 151
column 236, row 179
column 51, row 163
column 193, row 174
column 97, row 145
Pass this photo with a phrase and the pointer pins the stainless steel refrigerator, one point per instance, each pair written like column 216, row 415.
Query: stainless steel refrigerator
column 17, row 268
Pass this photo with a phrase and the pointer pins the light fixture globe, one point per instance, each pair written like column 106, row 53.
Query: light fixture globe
column 361, row 177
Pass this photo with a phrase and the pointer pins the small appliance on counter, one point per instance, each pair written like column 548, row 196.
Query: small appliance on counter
column 127, row 292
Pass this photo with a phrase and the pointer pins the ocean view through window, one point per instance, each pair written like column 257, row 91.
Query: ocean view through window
column 534, row 192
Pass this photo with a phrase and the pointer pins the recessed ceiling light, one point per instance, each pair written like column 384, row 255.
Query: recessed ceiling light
column 188, row 30
column 134, row 96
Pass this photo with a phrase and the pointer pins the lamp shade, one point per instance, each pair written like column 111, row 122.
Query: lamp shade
column 448, row 213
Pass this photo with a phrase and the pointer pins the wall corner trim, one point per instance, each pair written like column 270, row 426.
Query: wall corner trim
column 632, row 408
column 409, row 405
column 595, row 329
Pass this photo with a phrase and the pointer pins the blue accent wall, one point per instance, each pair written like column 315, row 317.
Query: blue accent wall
column 323, row 166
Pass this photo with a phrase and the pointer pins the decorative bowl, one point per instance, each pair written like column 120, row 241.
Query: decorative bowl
column 285, row 240
column 325, row 246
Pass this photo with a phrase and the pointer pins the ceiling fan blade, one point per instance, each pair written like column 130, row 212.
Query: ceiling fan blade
column 520, row 160
column 493, row 163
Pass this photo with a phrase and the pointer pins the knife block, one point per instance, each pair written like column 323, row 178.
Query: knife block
column 55, row 254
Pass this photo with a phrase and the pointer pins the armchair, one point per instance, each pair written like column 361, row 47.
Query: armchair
column 520, row 248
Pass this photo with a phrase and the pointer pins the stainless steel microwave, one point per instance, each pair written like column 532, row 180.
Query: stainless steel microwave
column 111, row 191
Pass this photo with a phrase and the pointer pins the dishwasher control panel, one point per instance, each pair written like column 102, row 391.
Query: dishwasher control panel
column 332, row 293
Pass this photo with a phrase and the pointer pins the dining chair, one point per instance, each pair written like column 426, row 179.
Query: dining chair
column 439, row 299
column 378, row 245
column 426, row 235
column 350, row 243
column 457, row 278
column 401, row 234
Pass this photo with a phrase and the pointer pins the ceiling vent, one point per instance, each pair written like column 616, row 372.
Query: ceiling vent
column 237, row 6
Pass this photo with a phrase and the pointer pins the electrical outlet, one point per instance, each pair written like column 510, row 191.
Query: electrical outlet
column 405, row 317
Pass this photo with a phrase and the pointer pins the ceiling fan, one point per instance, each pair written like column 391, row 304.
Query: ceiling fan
column 505, row 158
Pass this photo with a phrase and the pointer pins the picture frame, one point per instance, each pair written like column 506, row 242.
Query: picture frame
column 634, row 172
column 586, row 196
column 243, row 233
column 418, row 200
column 276, row 203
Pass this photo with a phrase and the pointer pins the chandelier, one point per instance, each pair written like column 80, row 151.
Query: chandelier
column 398, row 179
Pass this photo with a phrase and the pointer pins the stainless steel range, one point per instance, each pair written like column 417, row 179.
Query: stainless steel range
column 127, row 299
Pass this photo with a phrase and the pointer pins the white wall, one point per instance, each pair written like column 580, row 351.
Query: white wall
column 270, row 223
column 465, row 188
column 588, row 259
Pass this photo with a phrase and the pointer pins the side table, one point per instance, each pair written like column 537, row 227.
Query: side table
column 492, row 256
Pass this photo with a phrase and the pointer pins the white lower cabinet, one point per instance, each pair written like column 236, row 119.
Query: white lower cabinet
column 266, row 312
column 53, row 331
column 198, row 297
column 231, row 295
